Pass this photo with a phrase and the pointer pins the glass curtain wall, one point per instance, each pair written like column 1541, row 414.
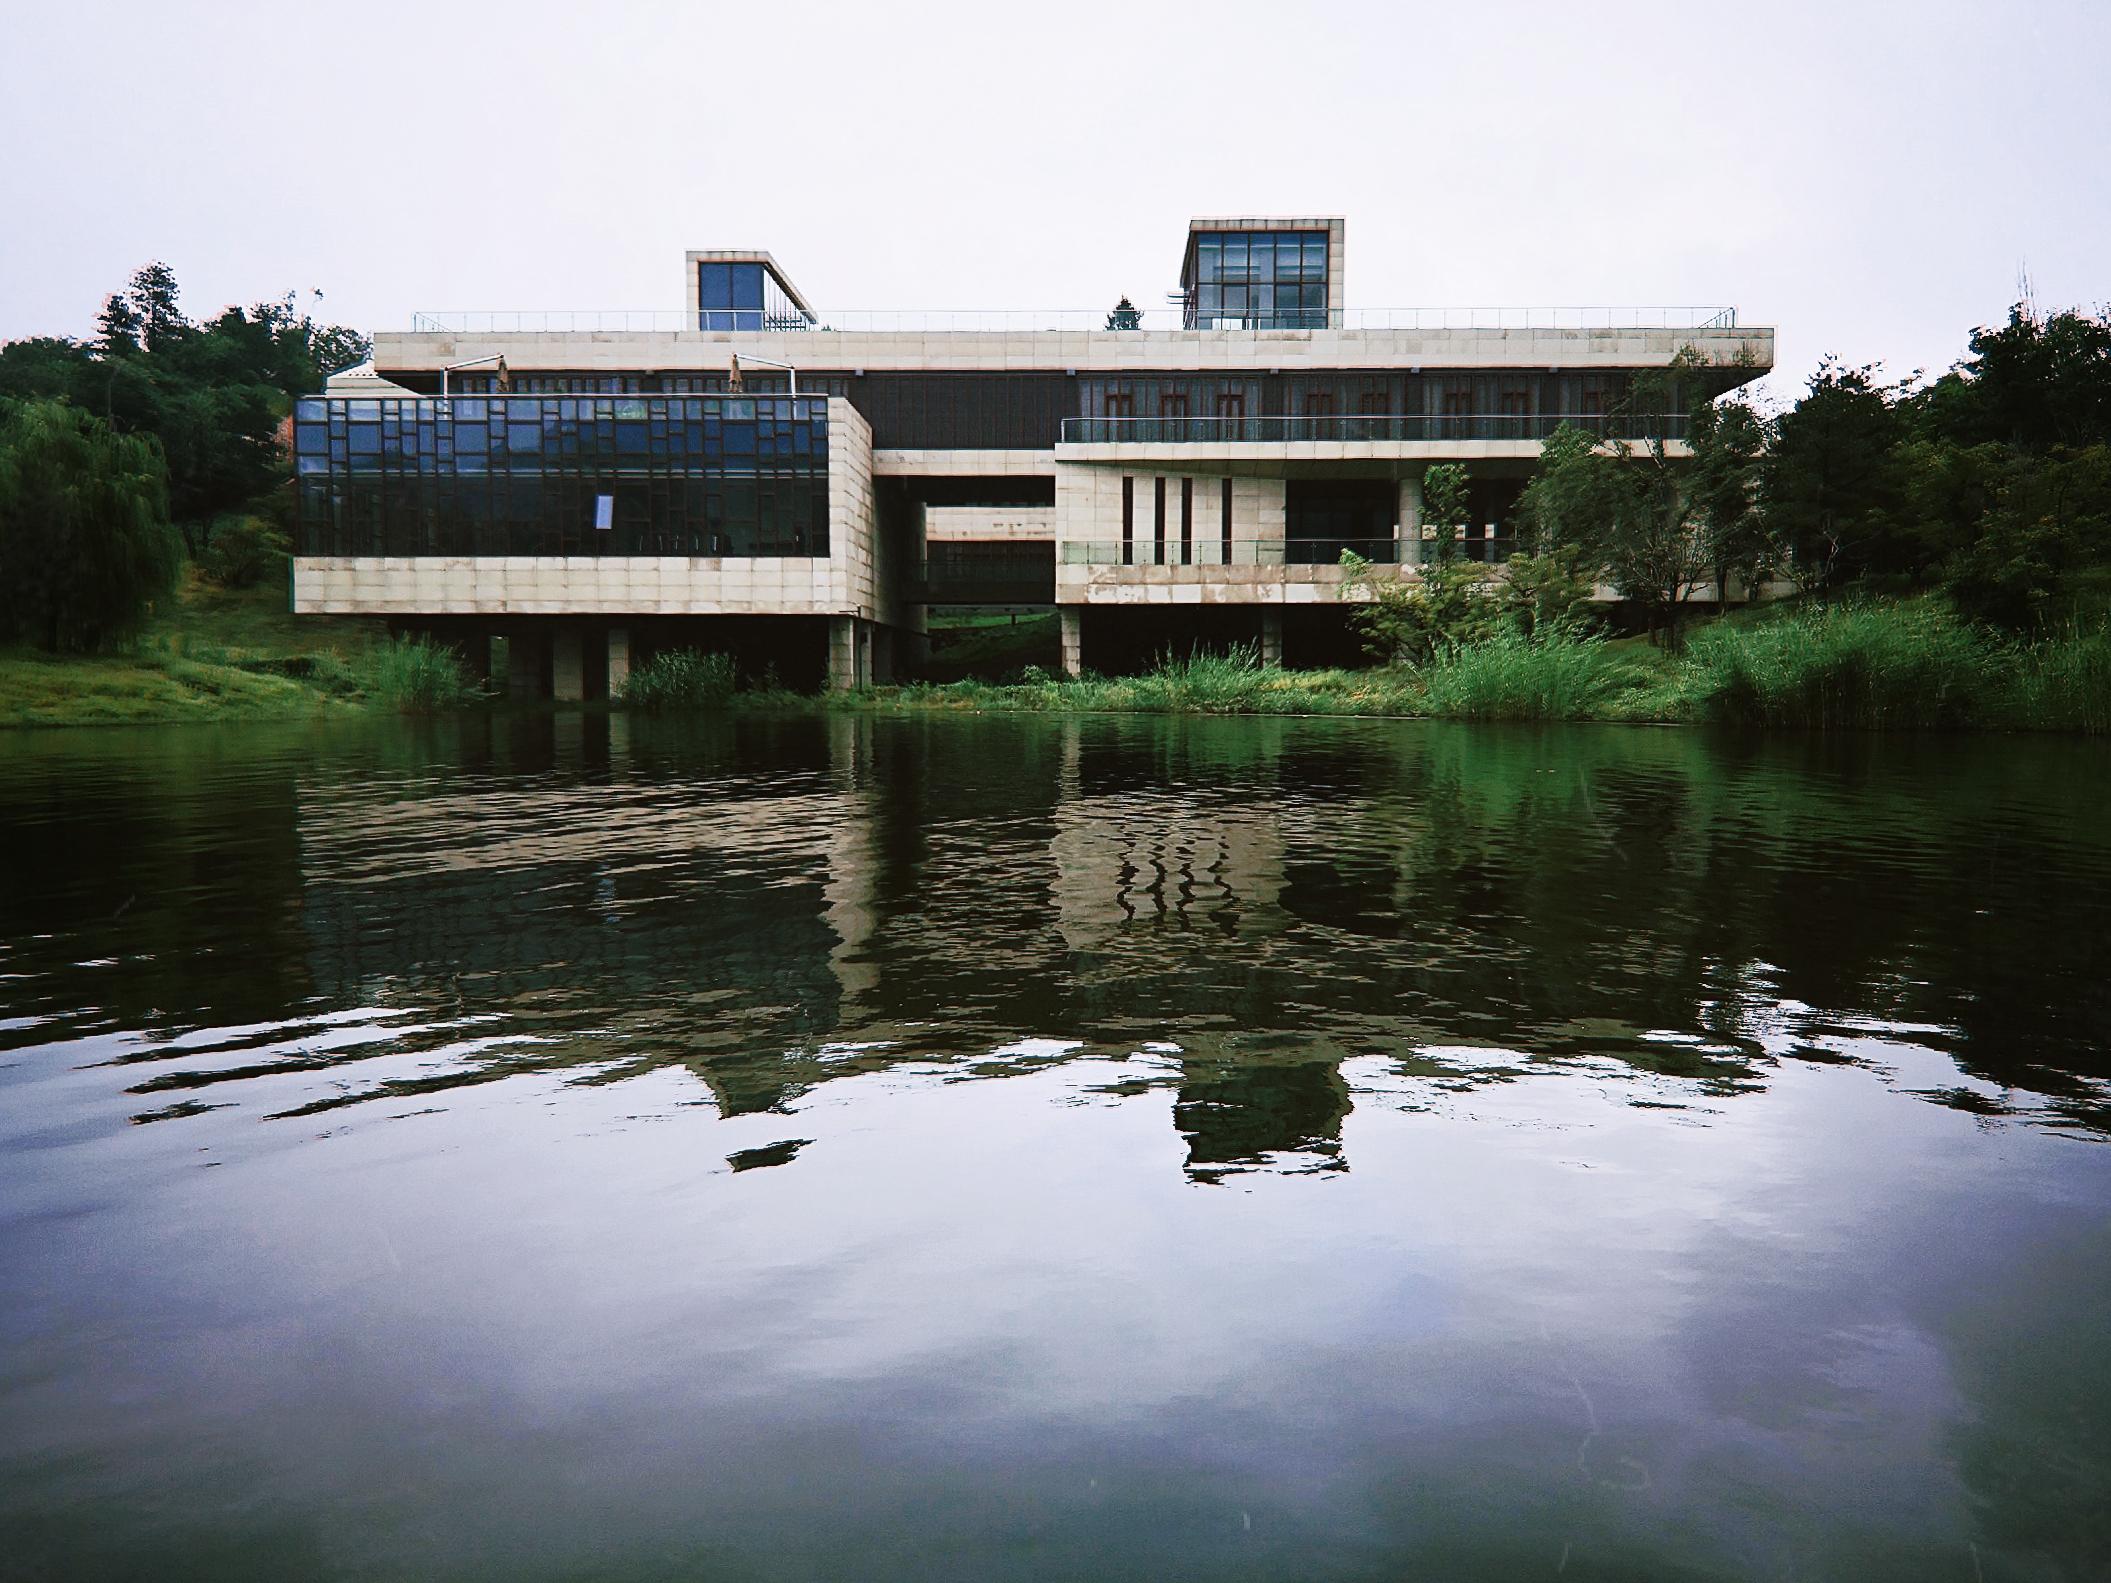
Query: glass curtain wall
column 1259, row 280
column 525, row 475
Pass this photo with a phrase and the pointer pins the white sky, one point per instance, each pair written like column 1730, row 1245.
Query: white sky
column 1868, row 178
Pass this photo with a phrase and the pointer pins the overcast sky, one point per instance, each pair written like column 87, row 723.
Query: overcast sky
column 1868, row 178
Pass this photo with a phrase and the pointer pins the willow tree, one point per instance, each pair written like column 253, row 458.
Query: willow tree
column 85, row 542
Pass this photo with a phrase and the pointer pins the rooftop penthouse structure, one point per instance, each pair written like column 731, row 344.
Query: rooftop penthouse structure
column 799, row 487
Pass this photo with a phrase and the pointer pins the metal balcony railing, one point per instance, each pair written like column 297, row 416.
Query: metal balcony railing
column 1366, row 428
column 1029, row 321
column 1212, row 550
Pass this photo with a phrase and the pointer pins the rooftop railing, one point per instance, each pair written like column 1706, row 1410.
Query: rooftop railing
column 1365, row 428
column 1041, row 321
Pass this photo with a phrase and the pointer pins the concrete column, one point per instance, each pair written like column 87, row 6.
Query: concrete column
column 567, row 665
column 618, row 660
column 1271, row 635
column 1072, row 618
column 1410, row 521
column 842, row 653
column 523, row 666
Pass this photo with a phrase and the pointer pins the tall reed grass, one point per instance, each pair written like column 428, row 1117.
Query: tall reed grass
column 1513, row 677
column 410, row 674
column 1913, row 665
column 681, row 679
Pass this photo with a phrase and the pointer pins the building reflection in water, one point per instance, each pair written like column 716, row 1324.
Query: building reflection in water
column 1234, row 909
column 771, row 905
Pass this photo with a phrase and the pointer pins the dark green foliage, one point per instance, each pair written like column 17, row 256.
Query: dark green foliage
column 85, row 546
column 2045, row 520
column 1832, row 482
column 243, row 551
column 2035, row 383
column 1729, row 443
column 681, row 679
column 1446, row 505
column 213, row 393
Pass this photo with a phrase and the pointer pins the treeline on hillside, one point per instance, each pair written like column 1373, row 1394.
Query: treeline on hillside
column 155, row 439
column 1991, row 483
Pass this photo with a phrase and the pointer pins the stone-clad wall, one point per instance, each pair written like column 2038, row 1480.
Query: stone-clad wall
column 1088, row 544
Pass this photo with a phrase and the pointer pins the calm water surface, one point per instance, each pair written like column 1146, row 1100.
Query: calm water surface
column 1011, row 1149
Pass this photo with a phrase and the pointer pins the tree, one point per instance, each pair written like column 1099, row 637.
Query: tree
column 1621, row 507
column 1572, row 499
column 1125, row 315
column 212, row 394
column 1831, row 485
column 85, row 546
column 1446, row 505
column 1729, row 442
column 2048, row 519
column 2034, row 383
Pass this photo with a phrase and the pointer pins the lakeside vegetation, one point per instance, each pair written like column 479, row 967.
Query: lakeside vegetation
column 210, row 653
column 1886, row 665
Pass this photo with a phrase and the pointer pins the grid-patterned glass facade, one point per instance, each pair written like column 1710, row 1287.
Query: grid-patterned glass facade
column 1259, row 280
column 729, row 296
column 550, row 475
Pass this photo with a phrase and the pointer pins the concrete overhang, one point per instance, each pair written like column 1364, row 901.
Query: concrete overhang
column 1743, row 352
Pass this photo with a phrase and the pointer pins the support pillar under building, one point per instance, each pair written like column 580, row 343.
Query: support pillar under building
column 1271, row 635
column 618, row 660
column 1410, row 521
column 568, row 665
column 523, row 666
column 842, row 653
column 1072, row 618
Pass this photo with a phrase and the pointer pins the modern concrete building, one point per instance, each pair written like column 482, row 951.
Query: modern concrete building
column 800, row 487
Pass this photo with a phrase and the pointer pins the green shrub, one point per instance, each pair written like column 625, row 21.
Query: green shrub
column 1449, row 606
column 680, row 679
column 242, row 551
column 1513, row 677
column 413, row 675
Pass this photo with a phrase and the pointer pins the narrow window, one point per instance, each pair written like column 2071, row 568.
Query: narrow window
column 1121, row 404
column 1231, row 403
column 1319, row 403
column 1458, row 403
column 1172, row 404
column 1227, row 522
column 1158, row 523
column 1515, row 403
column 1128, row 522
column 1187, row 522
column 1371, row 403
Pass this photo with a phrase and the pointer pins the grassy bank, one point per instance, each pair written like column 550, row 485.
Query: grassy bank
column 1895, row 665
column 1905, row 665
column 222, row 654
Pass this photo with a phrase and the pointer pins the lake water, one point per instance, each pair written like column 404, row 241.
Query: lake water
column 850, row 1148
